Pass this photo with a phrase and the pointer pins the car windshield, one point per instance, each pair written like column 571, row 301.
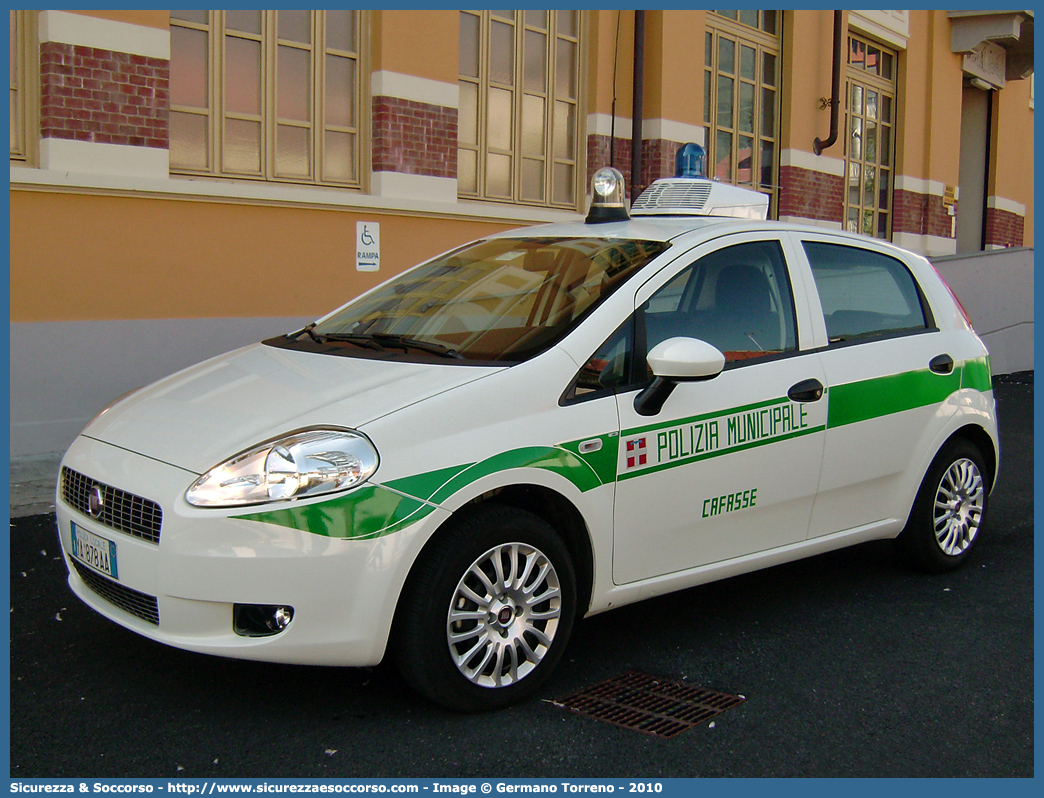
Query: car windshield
column 501, row 300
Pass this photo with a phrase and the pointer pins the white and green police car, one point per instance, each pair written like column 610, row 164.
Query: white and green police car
column 539, row 426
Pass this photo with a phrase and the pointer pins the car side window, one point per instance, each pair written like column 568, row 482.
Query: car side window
column 737, row 298
column 864, row 293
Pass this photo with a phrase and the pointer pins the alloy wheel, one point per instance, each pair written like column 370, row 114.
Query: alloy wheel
column 504, row 614
column 959, row 502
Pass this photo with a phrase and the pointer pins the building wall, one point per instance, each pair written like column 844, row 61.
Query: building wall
column 122, row 271
column 996, row 288
column 1009, row 212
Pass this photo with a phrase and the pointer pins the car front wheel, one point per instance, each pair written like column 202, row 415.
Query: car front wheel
column 488, row 610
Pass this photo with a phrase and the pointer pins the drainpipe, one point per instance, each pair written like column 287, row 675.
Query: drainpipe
column 835, row 87
column 638, row 93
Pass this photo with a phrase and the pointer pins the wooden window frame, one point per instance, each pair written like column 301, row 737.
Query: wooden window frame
column 874, row 218
column 25, row 88
column 763, row 43
column 552, row 161
column 217, row 115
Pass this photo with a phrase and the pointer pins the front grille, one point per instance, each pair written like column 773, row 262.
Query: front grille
column 644, row 703
column 120, row 510
column 139, row 604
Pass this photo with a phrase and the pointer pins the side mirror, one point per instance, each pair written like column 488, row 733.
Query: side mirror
column 684, row 359
column 677, row 360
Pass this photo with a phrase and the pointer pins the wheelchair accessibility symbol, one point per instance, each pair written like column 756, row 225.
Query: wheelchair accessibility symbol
column 367, row 246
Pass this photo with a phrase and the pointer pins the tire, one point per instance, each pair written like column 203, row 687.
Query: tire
column 947, row 515
column 487, row 611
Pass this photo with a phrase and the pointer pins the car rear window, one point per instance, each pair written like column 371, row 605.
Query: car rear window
column 864, row 293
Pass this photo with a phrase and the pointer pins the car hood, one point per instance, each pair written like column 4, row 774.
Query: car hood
column 199, row 417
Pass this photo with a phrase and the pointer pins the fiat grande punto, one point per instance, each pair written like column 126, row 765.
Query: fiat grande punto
column 451, row 469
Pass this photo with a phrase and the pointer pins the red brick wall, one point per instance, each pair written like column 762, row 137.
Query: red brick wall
column 598, row 156
column 921, row 214
column 657, row 159
column 102, row 96
column 808, row 194
column 414, row 138
column 1004, row 228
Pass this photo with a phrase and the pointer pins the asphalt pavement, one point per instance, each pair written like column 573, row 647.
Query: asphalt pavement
column 851, row 664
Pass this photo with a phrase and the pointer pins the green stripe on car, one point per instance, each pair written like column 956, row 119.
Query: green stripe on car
column 883, row 396
column 373, row 511
column 976, row 374
column 367, row 512
column 377, row 510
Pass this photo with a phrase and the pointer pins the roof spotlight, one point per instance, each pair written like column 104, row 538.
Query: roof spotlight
column 607, row 197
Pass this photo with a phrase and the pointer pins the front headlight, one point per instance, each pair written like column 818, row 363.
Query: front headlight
column 307, row 463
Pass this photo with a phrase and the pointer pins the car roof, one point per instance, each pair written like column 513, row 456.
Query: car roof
column 644, row 228
column 670, row 227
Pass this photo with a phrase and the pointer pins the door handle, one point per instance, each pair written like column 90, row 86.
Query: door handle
column 806, row 391
column 941, row 364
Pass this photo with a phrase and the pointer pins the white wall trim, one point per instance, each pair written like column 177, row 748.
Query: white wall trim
column 250, row 192
column 104, row 34
column 929, row 246
column 602, row 125
column 417, row 187
column 890, row 27
column 669, row 130
column 825, row 223
column 652, row 129
column 70, row 156
column 812, row 162
column 414, row 89
column 920, row 186
column 1004, row 204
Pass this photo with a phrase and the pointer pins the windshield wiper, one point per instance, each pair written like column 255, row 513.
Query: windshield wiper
column 365, row 341
column 310, row 329
column 391, row 340
column 378, row 341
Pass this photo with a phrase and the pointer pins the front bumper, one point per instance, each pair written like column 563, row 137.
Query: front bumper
column 343, row 591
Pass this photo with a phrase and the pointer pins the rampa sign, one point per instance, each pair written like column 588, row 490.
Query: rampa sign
column 367, row 246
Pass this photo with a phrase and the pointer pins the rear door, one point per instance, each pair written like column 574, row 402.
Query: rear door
column 889, row 373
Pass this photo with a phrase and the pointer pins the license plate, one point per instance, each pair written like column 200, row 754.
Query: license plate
column 95, row 551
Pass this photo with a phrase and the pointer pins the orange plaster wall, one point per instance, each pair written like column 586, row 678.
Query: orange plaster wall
column 602, row 56
column 417, row 42
column 946, row 100
column 674, row 51
column 929, row 101
column 1013, row 153
column 914, row 100
column 77, row 257
column 808, row 40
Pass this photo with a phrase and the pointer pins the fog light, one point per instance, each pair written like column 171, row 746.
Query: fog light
column 260, row 620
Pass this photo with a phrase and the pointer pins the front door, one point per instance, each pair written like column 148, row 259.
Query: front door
column 729, row 466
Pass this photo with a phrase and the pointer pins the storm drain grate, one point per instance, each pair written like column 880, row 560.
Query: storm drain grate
column 642, row 702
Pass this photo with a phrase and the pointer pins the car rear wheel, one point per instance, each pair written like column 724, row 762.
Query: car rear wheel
column 488, row 611
column 947, row 515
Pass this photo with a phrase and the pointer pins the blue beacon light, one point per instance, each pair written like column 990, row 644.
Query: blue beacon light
column 691, row 161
